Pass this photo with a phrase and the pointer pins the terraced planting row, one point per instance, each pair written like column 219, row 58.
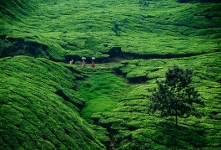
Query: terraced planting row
column 70, row 28
column 133, row 128
column 39, row 109
column 47, row 103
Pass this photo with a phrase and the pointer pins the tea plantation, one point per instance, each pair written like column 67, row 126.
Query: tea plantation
column 48, row 103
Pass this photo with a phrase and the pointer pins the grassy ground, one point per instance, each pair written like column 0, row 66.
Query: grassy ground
column 101, row 89
column 44, row 102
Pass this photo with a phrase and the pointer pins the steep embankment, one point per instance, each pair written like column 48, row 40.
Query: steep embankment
column 39, row 103
column 40, row 108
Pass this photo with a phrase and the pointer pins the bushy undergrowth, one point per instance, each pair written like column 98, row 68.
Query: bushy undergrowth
column 133, row 128
column 86, row 28
column 39, row 109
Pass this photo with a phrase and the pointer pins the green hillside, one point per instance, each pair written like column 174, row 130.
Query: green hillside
column 47, row 103
column 39, row 108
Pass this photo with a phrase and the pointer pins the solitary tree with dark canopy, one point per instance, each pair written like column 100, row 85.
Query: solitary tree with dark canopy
column 175, row 96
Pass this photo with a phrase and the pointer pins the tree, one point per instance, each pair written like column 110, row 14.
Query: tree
column 176, row 96
column 116, row 28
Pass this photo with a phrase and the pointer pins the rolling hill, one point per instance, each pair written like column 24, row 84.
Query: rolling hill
column 47, row 103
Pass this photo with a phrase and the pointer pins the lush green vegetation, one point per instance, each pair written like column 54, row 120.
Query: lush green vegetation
column 48, row 104
column 70, row 27
column 39, row 108
column 102, row 89
column 132, row 128
column 175, row 96
column 137, row 129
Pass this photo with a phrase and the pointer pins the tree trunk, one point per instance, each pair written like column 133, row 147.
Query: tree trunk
column 176, row 119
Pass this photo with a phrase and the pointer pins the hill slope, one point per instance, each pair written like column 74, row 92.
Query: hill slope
column 72, row 29
column 39, row 109
column 132, row 128
column 41, row 97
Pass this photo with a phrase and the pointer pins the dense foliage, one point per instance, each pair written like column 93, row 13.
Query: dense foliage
column 175, row 96
column 38, row 107
column 49, row 104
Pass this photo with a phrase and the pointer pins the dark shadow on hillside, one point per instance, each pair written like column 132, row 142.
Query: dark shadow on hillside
column 114, row 52
column 76, row 102
column 180, row 137
column 18, row 46
column 201, row 1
